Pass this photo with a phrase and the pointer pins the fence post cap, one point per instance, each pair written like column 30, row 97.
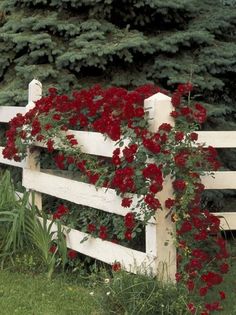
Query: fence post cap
column 35, row 91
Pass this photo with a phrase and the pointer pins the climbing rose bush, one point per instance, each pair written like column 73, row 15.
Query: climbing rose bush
column 136, row 170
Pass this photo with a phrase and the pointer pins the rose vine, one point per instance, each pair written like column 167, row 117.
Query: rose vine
column 139, row 168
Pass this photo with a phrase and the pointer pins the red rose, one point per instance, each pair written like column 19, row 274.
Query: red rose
column 169, row 203
column 129, row 220
column 224, row 268
column 116, row 266
column 53, row 249
column 72, row 254
column 165, row 127
column 126, row 202
column 91, row 227
column 179, row 136
column 176, row 99
column 190, row 285
column 222, row 295
column 178, row 277
column 153, row 202
column 128, row 235
column 193, row 136
column 191, row 308
column 203, row 291
column 179, row 184
column 181, row 159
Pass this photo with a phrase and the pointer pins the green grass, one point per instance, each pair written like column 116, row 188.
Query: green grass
column 25, row 294
column 229, row 286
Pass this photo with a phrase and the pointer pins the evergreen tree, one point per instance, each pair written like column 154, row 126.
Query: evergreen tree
column 75, row 43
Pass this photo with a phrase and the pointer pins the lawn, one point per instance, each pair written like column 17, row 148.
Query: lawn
column 27, row 294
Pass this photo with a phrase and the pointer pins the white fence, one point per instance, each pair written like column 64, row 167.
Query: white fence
column 159, row 258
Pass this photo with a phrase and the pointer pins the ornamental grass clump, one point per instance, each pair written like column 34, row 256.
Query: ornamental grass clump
column 139, row 164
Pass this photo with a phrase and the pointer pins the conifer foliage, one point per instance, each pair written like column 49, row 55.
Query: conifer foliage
column 70, row 44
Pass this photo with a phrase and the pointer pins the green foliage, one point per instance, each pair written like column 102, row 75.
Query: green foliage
column 136, row 294
column 74, row 43
column 12, row 217
column 22, row 225
column 33, row 294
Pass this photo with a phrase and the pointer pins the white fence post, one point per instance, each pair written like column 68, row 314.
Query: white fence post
column 160, row 237
column 33, row 154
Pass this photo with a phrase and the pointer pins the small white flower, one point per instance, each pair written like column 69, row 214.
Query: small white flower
column 162, row 305
column 107, row 280
column 108, row 293
column 91, row 293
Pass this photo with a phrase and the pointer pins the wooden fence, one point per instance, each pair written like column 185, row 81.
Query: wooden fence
column 160, row 255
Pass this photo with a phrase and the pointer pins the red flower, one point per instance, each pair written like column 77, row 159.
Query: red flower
column 126, row 202
column 191, row 308
column 212, row 278
column 139, row 112
column 116, row 159
column 215, row 306
column 200, row 113
column 174, row 114
column 185, row 88
column 203, row 291
column 155, row 187
column 181, row 159
column 185, row 227
column 224, row 268
column 151, row 145
column 103, row 232
column 128, row 235
column 129, row 220
column 91, row 227
column 47, row 126
column 169, row 203
column 222, row 295
column 153, row 202
column 61, row 210
column 179, row 136
column 114, row 131
column 128, row 154
column 166, row 127
column 152, row 171
column 72, row 254
column 116, row 266
column 179, row 184
column 190, row 285
column 56, row 117
column 176, row 99
column 53, row 249
column 178, row 277
column 193, row 136
column 50, row 144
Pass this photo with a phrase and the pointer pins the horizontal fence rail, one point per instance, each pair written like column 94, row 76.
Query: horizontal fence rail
column 8, row 112
column 108, row 252
column 77, row 192
column 218, row 139
column 220, row 180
